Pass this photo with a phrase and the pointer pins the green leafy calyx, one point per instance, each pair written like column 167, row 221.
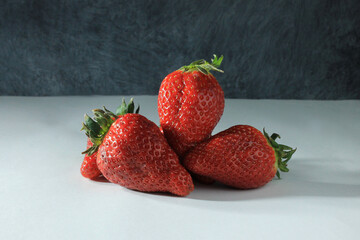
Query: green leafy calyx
column 97, row 127
column 204, row 66
column 283, row 153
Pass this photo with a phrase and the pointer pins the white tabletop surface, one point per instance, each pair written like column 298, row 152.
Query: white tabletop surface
column 44, row 196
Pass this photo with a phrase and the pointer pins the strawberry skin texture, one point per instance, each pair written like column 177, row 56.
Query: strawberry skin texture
column 190, row 104
column 89, row 167
column 239, row 157
column 135, row 154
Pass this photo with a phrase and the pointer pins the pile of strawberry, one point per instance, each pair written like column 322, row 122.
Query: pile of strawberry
column 132, row 151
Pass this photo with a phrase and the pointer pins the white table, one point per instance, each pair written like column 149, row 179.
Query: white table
column 43, row 195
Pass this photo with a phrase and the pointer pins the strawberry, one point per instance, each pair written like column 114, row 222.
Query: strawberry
column 89, row 167
column 133, row 153
column 190, row 104
column 241, row 157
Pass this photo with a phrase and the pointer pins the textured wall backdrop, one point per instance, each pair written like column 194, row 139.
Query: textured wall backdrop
column 273, row 49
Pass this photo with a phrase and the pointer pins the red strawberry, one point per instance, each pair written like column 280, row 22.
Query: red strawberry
column 190, row 104
column 240, row 156
column 133, row 153
column 89, row 167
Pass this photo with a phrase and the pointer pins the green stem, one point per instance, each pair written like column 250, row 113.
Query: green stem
column 97, row 128
column 283, row 153
column 204, row 66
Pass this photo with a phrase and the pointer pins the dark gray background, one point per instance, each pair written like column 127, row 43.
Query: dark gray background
column 273, row 49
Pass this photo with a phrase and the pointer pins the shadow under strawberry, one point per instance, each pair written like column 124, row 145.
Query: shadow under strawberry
column 301, row 183
column 100, row 178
